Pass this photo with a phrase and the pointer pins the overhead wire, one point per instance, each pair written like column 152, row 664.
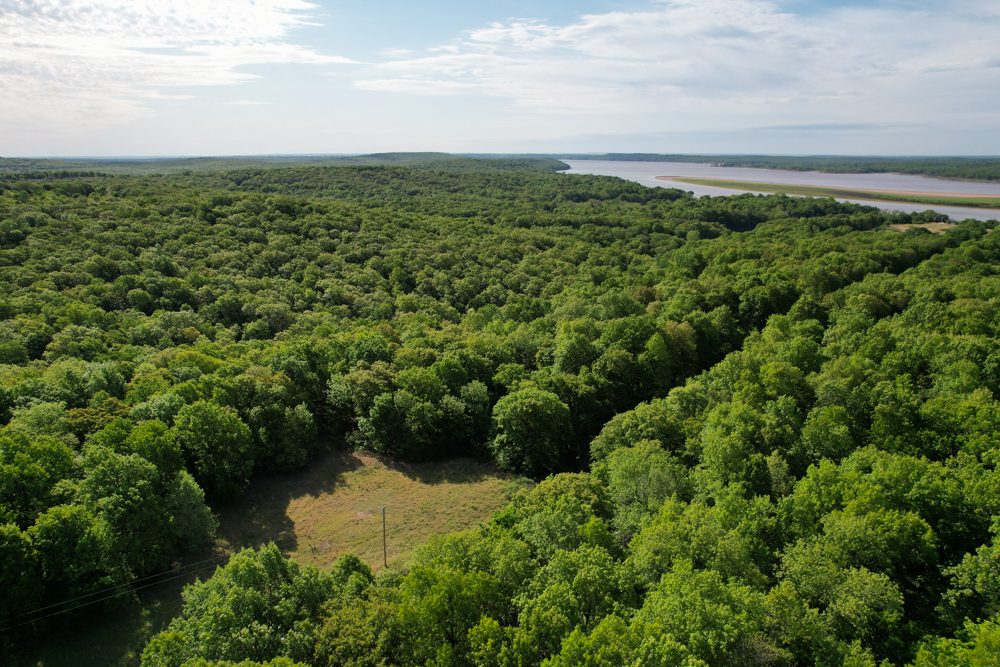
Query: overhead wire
column 122, row 589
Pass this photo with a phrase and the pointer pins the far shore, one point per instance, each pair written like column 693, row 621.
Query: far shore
column 900, row 196
column 680, row 179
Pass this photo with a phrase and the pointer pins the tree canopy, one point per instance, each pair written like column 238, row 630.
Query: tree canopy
column 762, row 428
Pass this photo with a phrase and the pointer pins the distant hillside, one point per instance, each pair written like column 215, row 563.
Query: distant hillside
column 145, row 166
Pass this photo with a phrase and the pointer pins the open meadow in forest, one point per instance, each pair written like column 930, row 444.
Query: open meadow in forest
column 933, row 227
column 332, row 507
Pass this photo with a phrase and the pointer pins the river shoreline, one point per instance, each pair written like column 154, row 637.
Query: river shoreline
column 915, row 193
column 646, row 172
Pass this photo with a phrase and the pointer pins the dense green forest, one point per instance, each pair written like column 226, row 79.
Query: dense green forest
column 762, row 428
column 966, row 168
column 16, row 168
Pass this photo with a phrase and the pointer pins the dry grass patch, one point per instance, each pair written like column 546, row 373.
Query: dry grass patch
column 333, row 507
column 935, row 227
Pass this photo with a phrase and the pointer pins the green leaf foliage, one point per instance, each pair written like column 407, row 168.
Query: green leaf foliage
column 759, row 430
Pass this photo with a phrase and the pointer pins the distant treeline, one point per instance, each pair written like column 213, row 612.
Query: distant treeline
column 979, row 169
column 42, row 168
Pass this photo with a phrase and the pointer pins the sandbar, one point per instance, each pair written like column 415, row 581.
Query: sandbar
column 923, row 193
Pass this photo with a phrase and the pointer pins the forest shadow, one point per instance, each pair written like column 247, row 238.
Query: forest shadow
column 259, row 515
column 116, row 630
column 449, row 471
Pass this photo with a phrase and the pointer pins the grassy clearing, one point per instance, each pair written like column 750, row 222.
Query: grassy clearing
column 329, row 508
column 844, row 193
column 935, row 227
column 333, row 507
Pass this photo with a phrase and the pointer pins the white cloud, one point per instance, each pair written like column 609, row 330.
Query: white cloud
column 75, row 64
column 699, row 61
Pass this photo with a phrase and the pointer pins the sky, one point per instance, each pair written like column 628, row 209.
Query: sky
column 251, row 77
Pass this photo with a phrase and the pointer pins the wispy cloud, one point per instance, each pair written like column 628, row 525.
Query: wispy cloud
column 826, row 127
column 91, row 63
column 712, row 58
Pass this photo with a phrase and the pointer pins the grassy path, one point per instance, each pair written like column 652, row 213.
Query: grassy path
column 941, row 199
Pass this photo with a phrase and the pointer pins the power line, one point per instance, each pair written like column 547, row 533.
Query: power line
column 124, row 585
column 109, row 597
column 127, row 588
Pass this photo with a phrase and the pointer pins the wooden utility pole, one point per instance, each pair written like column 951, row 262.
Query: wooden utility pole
column 385, row 557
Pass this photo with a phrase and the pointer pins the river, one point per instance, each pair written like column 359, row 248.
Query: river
column 646, row 173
